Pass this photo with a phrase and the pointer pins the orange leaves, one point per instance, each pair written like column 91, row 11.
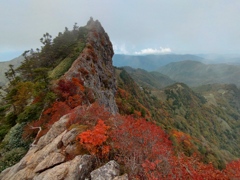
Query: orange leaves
column 95, row 140
column 97, row 136
column 74, row 101
column 184, row 142
column 181, row 136
column 137, row 113
column 47, row 119
column 70, row 88
column 233, row 169
column 147, row 153
column 88, row 115
column 122, row 93
column 57, row 110
column 78, row 83
column 139, row 143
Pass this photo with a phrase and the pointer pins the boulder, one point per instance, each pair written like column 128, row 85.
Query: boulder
column 76, row 169
column 107, row 172
column 52, row 160
column 70, row 136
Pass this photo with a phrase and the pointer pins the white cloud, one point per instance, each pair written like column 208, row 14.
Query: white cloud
column 154, row 51
column 120, row 49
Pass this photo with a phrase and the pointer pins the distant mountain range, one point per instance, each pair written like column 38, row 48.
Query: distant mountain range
column 153, row 62
column 150, row 62
column 149, row 79
column 195, row 73
column 209, row 113
column 194, row 70
column 4, row 67
column 71, row 98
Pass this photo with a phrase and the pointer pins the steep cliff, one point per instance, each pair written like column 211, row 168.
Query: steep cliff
column 56, row 155
column 94, row 66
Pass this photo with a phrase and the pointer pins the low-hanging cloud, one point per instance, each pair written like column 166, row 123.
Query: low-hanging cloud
column 154, row 51
column 120, row 49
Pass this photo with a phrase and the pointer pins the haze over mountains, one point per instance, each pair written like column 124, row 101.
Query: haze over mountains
column 194, row 70
column 4, row 66
column 153, row 62
column 83, row 107
column 190, row 69
column 150, row 62
column 195, row 73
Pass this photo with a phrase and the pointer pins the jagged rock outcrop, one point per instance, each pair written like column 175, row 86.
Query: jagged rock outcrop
column 94, row 66
column 109, row 171
column 47, row 160
column 106, row 172
column 55, row 155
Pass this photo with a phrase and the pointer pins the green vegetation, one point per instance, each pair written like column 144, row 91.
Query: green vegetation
column 195, row 73
column 152, row 80
column 203, row 122
column 66, row 63
column 13, row 147
column 30, row 89
column 209, row 114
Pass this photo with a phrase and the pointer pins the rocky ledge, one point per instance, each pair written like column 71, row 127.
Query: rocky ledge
column 48, row 160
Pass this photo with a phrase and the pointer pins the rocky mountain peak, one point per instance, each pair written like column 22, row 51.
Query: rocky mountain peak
column 94, row 66
column 49, row 157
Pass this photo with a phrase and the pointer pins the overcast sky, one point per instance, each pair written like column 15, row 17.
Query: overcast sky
column 134, row 26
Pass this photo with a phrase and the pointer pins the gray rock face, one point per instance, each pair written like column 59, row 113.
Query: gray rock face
column 55, row 130
column 70, row 136
column 69, row 170
column 94, row 66
column 37, row 159
column 106, row 172
column 50, row 158
column 46, row 160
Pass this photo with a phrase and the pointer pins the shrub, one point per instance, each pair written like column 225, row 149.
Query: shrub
column 11, row 157
column 89, row 115
column 139, row 142
column 95, row 140
column 30, row 113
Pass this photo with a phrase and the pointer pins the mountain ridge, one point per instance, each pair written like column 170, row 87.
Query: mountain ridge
column 81, row 85
column 152, row 79
column 196, row 73
column 150, row 62
column 70, row 103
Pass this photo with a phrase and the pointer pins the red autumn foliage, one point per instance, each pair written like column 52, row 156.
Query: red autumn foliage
column 89, row 115
column 48, row 118
column 78, row 83
column 138, row 142
column 54, row 113
column 183, row 167
column 147, row 153
column 137, row 113
column 74, row 101
column 233, row 169
column 69, row 88
column 37, row 99
column 95, row 140
column 66, row 88
column 184, row 142
column 122, row 93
